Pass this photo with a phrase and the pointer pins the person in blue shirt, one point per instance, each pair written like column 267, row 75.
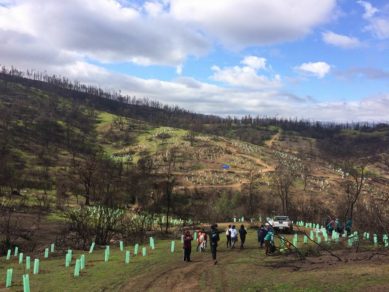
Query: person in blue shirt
column 268, row 239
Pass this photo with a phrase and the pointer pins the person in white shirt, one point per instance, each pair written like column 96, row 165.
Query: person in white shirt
column 234, row 236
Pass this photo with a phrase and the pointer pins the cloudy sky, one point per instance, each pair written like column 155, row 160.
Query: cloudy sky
column 319, row 60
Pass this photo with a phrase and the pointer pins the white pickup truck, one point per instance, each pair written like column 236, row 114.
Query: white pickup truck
column 281, row 223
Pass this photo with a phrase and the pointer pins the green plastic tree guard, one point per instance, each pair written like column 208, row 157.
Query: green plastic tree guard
column 92, row 247
column 82, row 262
column 8, row 280
column 305, row 239
column 52, row 247
column 36, row 267
column 136, row 249
column 127, row 257
column 68, row 259
column 26, row 283
column 77, row 268
column 311, row 235
column 121, row 245
column 195, row 236
column 172, row 246
column 16, row 252
column 20, row 258
column 152, row 243
column 46, row 252
column 8, row 255
column 28, row 263
column 106, row 254
column 144, row 251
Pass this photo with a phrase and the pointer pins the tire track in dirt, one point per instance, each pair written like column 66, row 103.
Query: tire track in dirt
column 181, row 276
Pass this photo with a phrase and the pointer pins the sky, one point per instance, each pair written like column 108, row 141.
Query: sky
column 324, row 60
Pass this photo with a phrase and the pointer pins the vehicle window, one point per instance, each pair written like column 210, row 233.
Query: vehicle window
column 281, row 218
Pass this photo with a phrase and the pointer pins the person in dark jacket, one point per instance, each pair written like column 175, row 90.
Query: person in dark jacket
column 349, row 224
column 242, row 234
column 261, row 235
column 187, row 245
column 214, row 239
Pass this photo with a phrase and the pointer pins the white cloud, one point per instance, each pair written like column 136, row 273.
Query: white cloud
column 106, row 30
column 339, row 40
column 246, row 76
column 254, row 62
column 378, row 21
column 379, row 27
column 318, row 69
column 254, row 22
column 370, row 10
column 208, row 98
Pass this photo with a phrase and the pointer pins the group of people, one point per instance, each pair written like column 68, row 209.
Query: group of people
column 202, row 240
column 336, row 225
column 265, row 235
column 232, row 236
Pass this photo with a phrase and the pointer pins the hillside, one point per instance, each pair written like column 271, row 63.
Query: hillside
column 63, row 147
column 138, row 169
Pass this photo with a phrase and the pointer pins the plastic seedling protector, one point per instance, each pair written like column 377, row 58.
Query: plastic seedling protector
column 36, row 266
column 28, row 263
column 8, row 280
column 92, row 247
column 26, row 283
column 77, row 268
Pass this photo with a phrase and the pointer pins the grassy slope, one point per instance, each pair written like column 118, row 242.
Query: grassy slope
column 242, row 270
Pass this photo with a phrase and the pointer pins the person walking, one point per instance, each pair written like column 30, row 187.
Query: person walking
column 234, row 236
column 339, row 226
column 268, row 239
column 330, row 227
column 199, row 239
column 187, row 245
column 349, row 224
column 261, row 235
column 228, row 236
column 242, row 234
column 214, row 239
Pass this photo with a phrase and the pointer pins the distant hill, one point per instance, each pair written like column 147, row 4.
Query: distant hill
column 59, row 137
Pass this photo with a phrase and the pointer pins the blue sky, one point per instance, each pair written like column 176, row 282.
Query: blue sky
column 319, row 60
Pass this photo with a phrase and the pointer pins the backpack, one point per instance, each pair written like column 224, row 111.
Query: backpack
column 214, row 237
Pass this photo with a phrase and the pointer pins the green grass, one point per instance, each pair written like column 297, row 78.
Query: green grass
column 97, row 276
column 238, row 270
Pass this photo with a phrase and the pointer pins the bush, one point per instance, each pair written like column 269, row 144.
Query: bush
column 95, row 223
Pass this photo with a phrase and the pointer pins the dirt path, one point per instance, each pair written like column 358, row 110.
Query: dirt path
column 181, row 276
column 269, row 143
column 267, row 168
